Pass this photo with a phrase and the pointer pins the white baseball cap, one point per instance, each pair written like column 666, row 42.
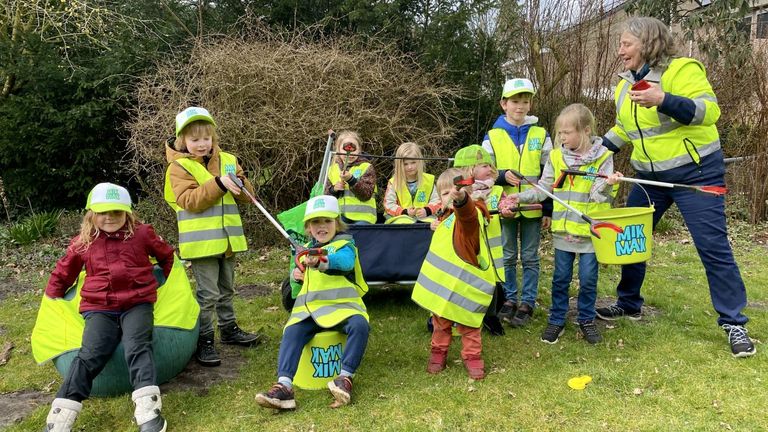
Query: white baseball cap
column 106, row 197
column 322, row 206
column 191, row 114
column 516, row 86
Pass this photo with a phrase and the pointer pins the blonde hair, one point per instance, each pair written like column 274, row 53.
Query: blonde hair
column 90, row 232
column 445, row 181
column 340, row 226
column 406, row 150
column 658, row 47
column 578, row 116
column 340, row 138
column 197, row 128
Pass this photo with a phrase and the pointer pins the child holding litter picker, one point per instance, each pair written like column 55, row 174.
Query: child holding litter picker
column 205, row 199
column 457, row 281
column 577, row 149
column 116, row 301
column 352, row 179
column 330, row 297
column 411, row 194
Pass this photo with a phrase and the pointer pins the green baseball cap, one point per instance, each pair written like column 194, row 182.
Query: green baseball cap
column 192, row 114
column 106, row 197
column 471, row 155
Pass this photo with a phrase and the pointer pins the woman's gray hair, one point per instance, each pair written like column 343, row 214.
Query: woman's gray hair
column 658, row 45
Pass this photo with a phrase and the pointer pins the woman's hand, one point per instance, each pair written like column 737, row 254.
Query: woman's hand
column 229, row 184
column 614, row 178
column 647, row 98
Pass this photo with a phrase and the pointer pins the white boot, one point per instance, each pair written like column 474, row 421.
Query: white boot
column 62, row 415
column 148, row 408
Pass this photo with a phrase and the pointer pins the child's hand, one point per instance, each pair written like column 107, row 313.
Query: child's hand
column 339, row 186
column 410, row 211
column 298, row 275
column 420, row 213
column 433, row 225
column 230, row 185
column 457, row 195
column 511, row 179
column 311, row 261
column 614, row 178
column 346, row 175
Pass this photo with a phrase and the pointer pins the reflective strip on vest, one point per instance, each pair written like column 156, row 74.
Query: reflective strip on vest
column 423, row 192
column 450, row 287
column 214, row 230
column 494, row 232
column 527, row 163
column 351, row 207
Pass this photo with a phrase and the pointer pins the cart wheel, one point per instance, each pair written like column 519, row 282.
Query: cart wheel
column 285, row 294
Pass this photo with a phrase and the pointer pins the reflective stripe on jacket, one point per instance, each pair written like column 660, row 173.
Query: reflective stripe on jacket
column 494, row 231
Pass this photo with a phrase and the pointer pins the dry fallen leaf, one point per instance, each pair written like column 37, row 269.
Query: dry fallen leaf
column 637, row 391
column 6, row 353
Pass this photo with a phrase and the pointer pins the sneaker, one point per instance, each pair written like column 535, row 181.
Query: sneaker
column 278, row 397
column 552, row 333
column 437, row 361
column 522, row 316
column 614, row 312
column 206, row 353
column 508, row 310
column 475, row 368
column 232, row 335
column 341, row 389
column 590, row 332
column 741, row 344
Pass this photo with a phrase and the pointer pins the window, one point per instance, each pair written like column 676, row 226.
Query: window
column 762, row 26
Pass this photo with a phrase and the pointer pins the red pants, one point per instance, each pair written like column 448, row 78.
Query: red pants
column 471, row 344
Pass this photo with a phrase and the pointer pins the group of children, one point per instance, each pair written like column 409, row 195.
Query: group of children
column 476, row 209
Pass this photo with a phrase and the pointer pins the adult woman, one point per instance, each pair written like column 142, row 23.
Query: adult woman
column 671, row 125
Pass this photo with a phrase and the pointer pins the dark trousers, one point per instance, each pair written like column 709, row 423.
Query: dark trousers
column 704, row 216
column 297, row 335
column 103, row 332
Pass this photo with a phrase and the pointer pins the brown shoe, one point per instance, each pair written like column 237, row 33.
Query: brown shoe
column 437, row 361
column 475, row 368
column 341, row 389
column 278, row 397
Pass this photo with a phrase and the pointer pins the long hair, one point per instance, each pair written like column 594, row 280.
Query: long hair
column 658, row 45
column 197, row 128
column 90, row 232
column 406, row 150
column 341, row 138
column 581, row 118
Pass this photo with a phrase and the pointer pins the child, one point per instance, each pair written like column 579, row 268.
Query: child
column 457, row 254
column 516, row 142
column 116, row 301
column 411, row 192
column 197, row 186
column 352, row 179
column 330, row 297
column 571, row 236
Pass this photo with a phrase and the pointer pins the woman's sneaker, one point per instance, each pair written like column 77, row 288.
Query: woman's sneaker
column 590, row 333
column 552, row 333
column 741, row 344
column 614, row 312
column 278, row 397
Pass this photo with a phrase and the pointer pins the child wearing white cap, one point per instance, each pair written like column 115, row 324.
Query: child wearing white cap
column 330, row 297
column 205, row 199
column 516, row 142
column 117, row 300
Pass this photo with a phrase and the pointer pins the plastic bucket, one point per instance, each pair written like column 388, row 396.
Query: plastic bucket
column 320, row 360
column 631, row 246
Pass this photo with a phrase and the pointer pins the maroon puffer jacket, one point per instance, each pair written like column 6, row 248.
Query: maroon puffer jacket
column 119, row 273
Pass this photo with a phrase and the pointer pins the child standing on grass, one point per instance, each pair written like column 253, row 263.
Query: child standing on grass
column 516, row 142
column 352, row 179
column 411, row 192
column 456, row 282
column 205, row 199
column 577, row 150
column 330, row 297
column 116, row 301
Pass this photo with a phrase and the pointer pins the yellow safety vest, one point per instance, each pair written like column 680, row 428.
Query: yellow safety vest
column 527, row 162
column 421, row 198
column 494, row 231
column 450, row 287
column 576, row 194
column 212, row 231
column 659, row 142
column 330, row 299
column 351, row 207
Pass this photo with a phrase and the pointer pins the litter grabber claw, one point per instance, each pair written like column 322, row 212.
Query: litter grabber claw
column 318, row 252
column 709, row 190
column 348, row 148
column 593, row 224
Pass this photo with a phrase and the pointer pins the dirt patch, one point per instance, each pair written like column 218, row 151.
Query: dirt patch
column 15, row 406
column 257, row 290
column 198, row 378
column 757, row 305
column 10, row 287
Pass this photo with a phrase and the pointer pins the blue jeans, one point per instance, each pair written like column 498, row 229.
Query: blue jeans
column 561, row 282
column 704, row 216
column 530, row 235
column 297, row 335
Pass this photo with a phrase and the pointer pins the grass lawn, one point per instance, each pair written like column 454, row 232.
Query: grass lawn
column 671, row 371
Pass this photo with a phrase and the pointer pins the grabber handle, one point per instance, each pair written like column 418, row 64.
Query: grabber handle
column 318, row 252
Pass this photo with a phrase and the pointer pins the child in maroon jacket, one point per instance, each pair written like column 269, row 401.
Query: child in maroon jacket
column 117, row 303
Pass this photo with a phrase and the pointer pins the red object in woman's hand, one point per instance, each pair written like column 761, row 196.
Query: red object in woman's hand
column 641, row 85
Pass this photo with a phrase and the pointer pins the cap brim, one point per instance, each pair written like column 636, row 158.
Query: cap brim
column 514, row 92
column 194, row 118
column 105, row 207
column 321, row 213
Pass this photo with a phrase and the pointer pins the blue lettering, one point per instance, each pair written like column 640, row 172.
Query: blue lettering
column 631, row 240
column 327, row 362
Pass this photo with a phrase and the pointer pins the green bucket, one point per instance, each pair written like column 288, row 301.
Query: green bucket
column 634, row 244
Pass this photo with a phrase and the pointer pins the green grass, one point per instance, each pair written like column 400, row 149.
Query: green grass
column 671, row 371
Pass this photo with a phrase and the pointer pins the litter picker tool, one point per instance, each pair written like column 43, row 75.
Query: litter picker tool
column 709, row 190
column 300, row 250
column 348, row 148
column 594, row 225
column 426, row 158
